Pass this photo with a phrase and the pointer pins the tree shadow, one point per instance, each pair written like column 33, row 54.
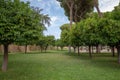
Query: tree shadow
column 102, row 60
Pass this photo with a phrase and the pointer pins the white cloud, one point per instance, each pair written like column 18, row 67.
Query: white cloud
column 108, row 5
column 58, row 3
column 54, row 19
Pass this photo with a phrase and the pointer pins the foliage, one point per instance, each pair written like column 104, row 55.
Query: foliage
column 9, row 15
column 49, row 40
column 116, row 13
column 46, row 41
column 76, row 35
column 59, row 43
column 111, row 27
column 80, row 8
column 75, row 10
column 34, row 27
column 19, row 23
column 95, row 30
column 65, row 38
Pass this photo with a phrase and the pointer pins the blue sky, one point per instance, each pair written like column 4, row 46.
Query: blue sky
column 56, row 13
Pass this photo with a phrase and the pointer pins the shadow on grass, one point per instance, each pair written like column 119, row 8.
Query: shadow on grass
column 45, row 52
column 101, row 60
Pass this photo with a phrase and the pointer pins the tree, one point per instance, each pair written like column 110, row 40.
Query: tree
column 111, row 29
column 96, row 4
column 65, row 34
column 69, row 4
column 41, row 42
column 87, row 32
column 77, row 36
column 59, row 43
column 76, row 10
column 49, row 41
column 19, row 23
column 34, row 23
column 116, row 17
column 9, row 25
column 46, row 41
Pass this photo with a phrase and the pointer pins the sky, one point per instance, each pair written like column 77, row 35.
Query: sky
column 56, row 13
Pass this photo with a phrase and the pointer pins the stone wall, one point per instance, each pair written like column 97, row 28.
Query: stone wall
column 16, row 48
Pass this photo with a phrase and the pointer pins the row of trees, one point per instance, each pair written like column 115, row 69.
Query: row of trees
column 94, row 31
column 20, row 24
column 76, row 10
column 46, row 41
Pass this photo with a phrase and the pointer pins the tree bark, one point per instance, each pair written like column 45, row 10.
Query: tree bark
column 98, row 10
column 41, row 48
column 117, row 50
column 113, row 51
column 97, row 49
column 119, row 54
column 96, row 4
column 5, row 58
column 90, row 54
column 78, row 51
column 92, row 49
column 46, row 48
column 69, row 48
column 61, row 48
column 71, row 20
column 74, row 49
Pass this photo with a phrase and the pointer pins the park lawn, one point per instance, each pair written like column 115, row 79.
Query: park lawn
column 59, row 65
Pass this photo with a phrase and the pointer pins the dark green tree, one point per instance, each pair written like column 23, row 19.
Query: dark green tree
column 49, row 41
column 10, row 17
column 59, row 43
column 65, row 34
column 33, row 25
column 19, row 23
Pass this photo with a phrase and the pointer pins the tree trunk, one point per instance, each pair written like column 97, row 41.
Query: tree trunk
column 97, row 49
column 117, row 51
column 96, row 4
column 119, row 54
column 90, row 54
column 74, row 49
column 69, row 48
column 71, row 20
column 25, row 49
column 92, row 49
column 5, row 58
column 98, row 10
column 78, row 51
column 41, row 48
column 46, row 48
column 61, row 48
column 113, row 51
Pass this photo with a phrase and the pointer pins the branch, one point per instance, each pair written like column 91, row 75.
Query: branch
column 69, row 3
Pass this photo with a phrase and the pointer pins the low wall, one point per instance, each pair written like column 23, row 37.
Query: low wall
column 16, row 48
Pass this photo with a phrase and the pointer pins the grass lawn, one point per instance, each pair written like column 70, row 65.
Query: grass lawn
column 59, row 65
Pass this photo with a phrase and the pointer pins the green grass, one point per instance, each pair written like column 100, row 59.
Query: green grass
column 59, row 65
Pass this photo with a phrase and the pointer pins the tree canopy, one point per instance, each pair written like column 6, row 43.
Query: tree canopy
column 19, row 23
